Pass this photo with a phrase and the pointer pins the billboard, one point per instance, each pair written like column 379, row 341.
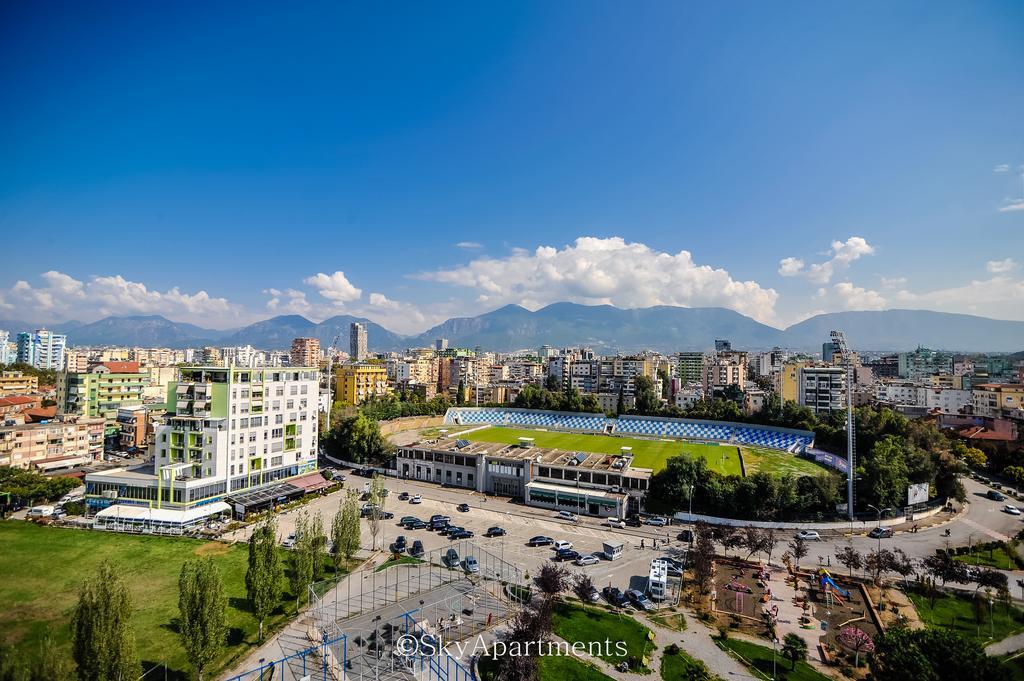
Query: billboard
column 917, row 494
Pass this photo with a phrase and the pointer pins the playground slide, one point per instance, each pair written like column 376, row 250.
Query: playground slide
column 826, row 579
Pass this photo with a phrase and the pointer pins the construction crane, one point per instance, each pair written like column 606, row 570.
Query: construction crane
column 330, row 375
column 846, row 360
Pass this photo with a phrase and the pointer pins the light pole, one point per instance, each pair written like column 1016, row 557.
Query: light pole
column 691, row 503
column 878, row 524
column 775, row 643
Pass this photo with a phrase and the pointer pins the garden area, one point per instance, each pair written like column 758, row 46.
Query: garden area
column 560, row 667
column 976, row 619
column 994, row 554
column 764, row 660
column 576, row 623
column 678, row 666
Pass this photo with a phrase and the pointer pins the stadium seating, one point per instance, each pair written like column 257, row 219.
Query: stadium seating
column 689, row 429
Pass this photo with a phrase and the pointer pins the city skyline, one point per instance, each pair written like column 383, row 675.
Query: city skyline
column 781, row 163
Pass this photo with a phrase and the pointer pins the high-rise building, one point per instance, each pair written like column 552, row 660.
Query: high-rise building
column 229, row 433
column 722, row 345
column 357, row 341
column 42, row 349
column 356, row 382
column 922, row 363
column 305, row 352
column 102, row 390
column 441, row 344
column 17, row 383
column 823, row 389
column 690, row 367
column 8, row 350
column 828, row 350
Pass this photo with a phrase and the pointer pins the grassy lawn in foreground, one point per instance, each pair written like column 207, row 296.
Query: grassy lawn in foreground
column 43, row 568
column 654, row 453
column 561, row 668
column 682, row 667
column 576, row 623
column 760, row 658
column 401, row 560
column 996, row 557
column 956, row 613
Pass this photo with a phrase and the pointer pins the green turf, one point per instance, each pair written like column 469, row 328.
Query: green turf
column 43, row 567
column 576, row 623
column 654, row 453
column 760, row 658
column 556, row 668
column 958, row 613
column 682, row 667
column 996, row 557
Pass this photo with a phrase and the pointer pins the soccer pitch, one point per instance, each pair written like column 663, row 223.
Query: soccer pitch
column 654, row 453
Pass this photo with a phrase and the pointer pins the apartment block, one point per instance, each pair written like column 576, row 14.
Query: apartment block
column 998, row 400
column 354, row 383
column 102, row 390
column 305, row 352
column 57, row 444
column 17, row 383
column 690, row 367
column 357, row 341
column 922, row 363
column 823, row 389
column 42, row 349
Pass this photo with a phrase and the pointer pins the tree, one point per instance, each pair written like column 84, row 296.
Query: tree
column 376, row 498
column 300, row 563
column 731, row 539
column 620, row 403
column 647, row 399
column 902, row 565
column 263, row 574
column 345, row 529
column 552, row 579
column 103, row 642
column 885, row 472
column 850, row 557
column 357, row 438
column 943, row 568
column 317, row 546
column 202, row 612
column 902, row 654
column 798, row 547
column 975, row 458
column 582, row 586
column 794, row 648
column 878, row 563
column 756, row 540
column 703, row 557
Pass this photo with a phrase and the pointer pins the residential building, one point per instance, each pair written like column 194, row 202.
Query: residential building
column 11, row 406
column 102, row 390
column 922, row 363
column 159, row 377
column 17, row 383
column 242, row 356
column 76, row 361
column 787, row 382
column 134, row 424
column 725, row 369
column 722, row 345
column 42, row 349
column 619, row 374
column 8, row 350
column 212, row 356
column 823, row 389
column 64, row 442
column 887, row 366
column 357, row 341
column 753, row 400
column 356, row 382
column 305, row 352
column 690, row 366
column 237, row 434
column 828, row 351
column 441, row 344
column 998, row 400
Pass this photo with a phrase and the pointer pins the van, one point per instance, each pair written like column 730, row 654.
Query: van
column 562, row 544
column 40, row 511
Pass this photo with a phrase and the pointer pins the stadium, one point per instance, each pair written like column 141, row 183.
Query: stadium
column 592, row 464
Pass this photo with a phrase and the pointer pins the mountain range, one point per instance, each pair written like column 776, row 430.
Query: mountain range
column 603, row 327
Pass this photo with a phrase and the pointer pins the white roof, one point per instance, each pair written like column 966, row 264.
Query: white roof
column 163, row 515
column 596, row 493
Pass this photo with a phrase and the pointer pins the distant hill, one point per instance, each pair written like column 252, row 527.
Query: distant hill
column 906, row 329
column 605, row 328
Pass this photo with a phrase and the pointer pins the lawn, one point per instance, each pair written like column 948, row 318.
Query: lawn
column 653, row 454
column 996, row 557
column 401, row 560
column 682, row 667
column 576, row 623
column 674, row 621
column 957, row 613
column 760, row 658
column 43, row 567
column 560, row 667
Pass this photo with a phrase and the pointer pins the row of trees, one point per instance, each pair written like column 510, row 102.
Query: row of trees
column 534, row 397
column 357, row 439
column 403, row 403
column 30, row 487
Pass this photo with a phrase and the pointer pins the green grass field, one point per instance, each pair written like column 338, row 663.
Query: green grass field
column 958, row 613
column 654, row 453
column 762, row 659
column 561, row 668
column 43, row 567
column 576, row 623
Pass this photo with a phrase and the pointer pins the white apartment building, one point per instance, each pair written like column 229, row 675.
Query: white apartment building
column 823, row 389
column 42, row 348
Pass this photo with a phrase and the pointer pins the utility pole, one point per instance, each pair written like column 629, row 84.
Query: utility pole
column 330, row 375
column 839, row 339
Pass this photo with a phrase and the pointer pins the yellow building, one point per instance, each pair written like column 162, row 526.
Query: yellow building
column 998, row 400
column 17, row 383
column 788, row 382
column 356, row 382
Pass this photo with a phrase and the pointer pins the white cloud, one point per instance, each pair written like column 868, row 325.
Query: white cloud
column 790, row 267
column 1000, row 296
column 1012, row 205
column 1001, row 266
column 850, row 297
column 605, row 271
column 334, row 287
column 469, row 245
column 1002, row 168
column 290, row 301
column 842, row 252
column 381, row 300
column 893, row 282
column 61, row 296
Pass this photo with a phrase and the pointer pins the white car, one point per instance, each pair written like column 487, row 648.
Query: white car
column 617, row 523
column 589, row 559
column 1012, row 510
column 567, row 515
column 416, row 499
column 657, row 521
column 808, row 535
column 561, row 544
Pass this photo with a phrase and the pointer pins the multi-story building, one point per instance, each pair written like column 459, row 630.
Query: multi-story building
column 102, row 390
column 8, row 350
column 133, row 422
column 725, row 369
column 998, row 400
column 354, row 383
column 357, row 341
column 305, row 352
column 690, row 367
column 230, row 433
column 416, row 370
column 212, row 356
column 76, row 361
column 441, row 344
column 62, row 442
column 243, row 356
column 619, row 374
column 11, row 407
column 42, row 349
column 17, row 383
column 823, row 389
column 922, row 363
column 887, row 366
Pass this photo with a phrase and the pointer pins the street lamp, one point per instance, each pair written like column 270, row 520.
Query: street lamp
column 775, row 643
column 878, row 522
column 691, row 503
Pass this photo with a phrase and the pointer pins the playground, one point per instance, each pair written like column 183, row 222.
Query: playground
column 839, row 610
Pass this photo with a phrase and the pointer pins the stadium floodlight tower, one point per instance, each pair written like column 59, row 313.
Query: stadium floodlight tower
column 330, row 371
column 846, row 358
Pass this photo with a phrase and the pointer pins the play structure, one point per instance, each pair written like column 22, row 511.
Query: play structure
column 830, row 589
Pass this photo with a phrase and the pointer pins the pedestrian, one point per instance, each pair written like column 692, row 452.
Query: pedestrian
column 641, row 543
column 655, row 544
column 829, row 561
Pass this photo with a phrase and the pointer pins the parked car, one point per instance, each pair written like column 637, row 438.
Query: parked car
column 407, row 519
column 416, row 550
column 495, row 532
column 403, row 496
column 566, row 554
column 685, row 535
column 451, row 558
column 452, row 529
column 289, row 542
column 417, row 499
column 387, row 515
column 589, row 559
column 567, row 515
column 593, row 595
column 634, row 521
column 880, row 533
column 657, row 521
column 808, row 535
column 1012, row 510
column 464, row 508
column 614, row 596
column 540, row 540
column 461, row 534
column 440, row 526
column 617, row 523
column 438, row 517
column 401, row 541
column 995, row 496
column 472, row 565
column 416, row 524
column 639, row 600
column 562, row 544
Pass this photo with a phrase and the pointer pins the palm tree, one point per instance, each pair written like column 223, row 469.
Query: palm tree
column 795, row 648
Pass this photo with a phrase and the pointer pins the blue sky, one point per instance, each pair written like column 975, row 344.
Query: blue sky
column 222, row 163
